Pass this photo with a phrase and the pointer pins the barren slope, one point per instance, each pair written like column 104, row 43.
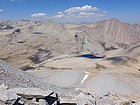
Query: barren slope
column 112, row 33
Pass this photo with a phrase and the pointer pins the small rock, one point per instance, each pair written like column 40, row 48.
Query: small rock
column 42, row 102
column 34, row 100
column 1, row 71
column 22, row 101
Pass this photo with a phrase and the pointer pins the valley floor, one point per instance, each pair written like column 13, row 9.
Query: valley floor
column 97, row 76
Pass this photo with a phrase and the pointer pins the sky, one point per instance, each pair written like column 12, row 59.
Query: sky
column 70, row 11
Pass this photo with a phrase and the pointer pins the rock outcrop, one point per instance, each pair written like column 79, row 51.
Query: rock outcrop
column 36, row 96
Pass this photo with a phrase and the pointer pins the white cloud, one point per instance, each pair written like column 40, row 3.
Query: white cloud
column 81, row 9
column 1, row 10
column 38, row 15
column 81, row 14
column 60, row 12
column 59, row 16
column 85, row 13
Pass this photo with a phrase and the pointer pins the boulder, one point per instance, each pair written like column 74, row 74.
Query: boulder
column 84, row 99
column 43, row 102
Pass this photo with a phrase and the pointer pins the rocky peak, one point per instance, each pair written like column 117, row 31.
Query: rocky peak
column 51, row 21
column 114, row 20
column 23, row 23
column 54, row 24
column 5, row 24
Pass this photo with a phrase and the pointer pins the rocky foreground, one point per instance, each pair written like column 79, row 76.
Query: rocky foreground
column 36, row 96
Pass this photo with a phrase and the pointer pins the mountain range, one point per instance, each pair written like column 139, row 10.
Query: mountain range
column 80, row 62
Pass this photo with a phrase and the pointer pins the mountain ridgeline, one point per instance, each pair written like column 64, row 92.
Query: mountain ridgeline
column 25, row 39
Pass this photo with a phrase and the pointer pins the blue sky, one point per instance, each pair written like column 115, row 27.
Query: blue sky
column 70, row 10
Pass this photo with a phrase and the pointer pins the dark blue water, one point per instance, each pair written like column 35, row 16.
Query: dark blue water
column 90, row 56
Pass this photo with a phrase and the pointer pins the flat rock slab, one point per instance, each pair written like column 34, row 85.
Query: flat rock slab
column 11, row 94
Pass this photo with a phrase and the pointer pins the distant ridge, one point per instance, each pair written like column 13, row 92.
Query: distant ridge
column 21, row 45
column 112, row 32
column 6, row 24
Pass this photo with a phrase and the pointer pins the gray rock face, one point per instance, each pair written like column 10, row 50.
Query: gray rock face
column 88, row 45
column 53, row 29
